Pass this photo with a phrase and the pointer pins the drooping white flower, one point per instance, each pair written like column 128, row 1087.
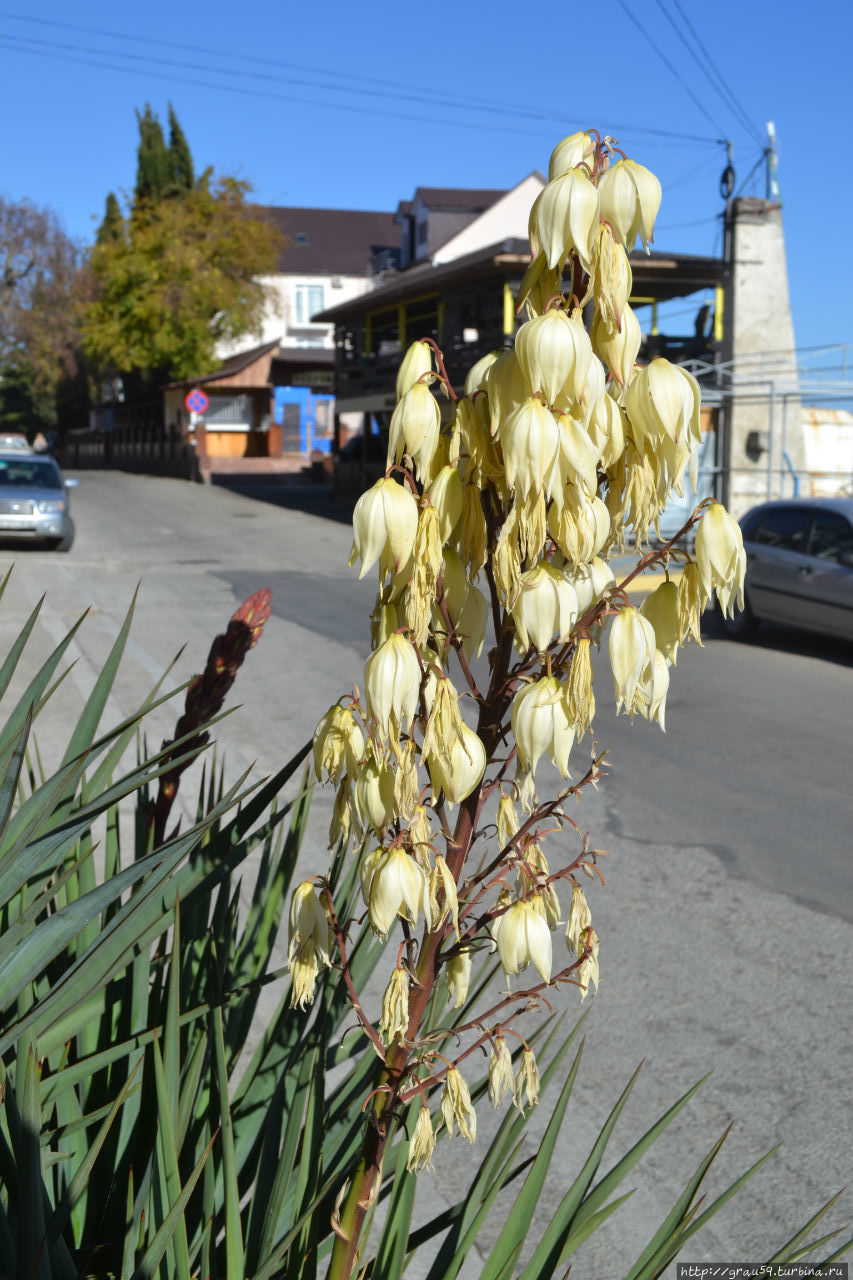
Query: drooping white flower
column 631, row 646
column 541, row 723
column 467, row 766
column 523, row 938
column 398, row 887
column 545, row 609
column 392, row 679
column 565, row 217
column 385, row 521
column 720, row 557
column 630, row 198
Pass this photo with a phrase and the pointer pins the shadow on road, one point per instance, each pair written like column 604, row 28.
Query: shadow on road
column 775, row 638
column 296, row 495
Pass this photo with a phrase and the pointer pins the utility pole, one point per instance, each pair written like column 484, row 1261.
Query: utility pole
column 723, row 441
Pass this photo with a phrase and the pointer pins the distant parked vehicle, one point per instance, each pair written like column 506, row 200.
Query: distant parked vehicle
column 799, row 567
column 34, row 505
column 14, row 442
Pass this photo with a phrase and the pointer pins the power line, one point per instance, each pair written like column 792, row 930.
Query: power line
column 412, row 93
column 676, row 73
column 735, row 102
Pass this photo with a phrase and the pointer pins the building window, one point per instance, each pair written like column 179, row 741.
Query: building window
column 308, row 299
column 422, row 232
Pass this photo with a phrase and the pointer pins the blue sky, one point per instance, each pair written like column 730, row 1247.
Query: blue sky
column 355, row 105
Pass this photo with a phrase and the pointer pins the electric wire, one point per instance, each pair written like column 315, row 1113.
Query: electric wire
column 736, row 103
column 413, row 93
column 676, row 73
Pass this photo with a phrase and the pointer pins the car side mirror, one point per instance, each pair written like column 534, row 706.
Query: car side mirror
column 71, row 484
column 846, row 558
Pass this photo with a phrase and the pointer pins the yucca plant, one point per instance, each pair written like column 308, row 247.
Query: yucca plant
column 150, row 1124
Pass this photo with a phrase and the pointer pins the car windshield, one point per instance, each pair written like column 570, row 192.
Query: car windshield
column 29, row 473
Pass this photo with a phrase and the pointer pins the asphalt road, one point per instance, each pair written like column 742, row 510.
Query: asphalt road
column 727, row 923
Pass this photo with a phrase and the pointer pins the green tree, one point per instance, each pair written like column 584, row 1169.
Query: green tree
column 152, row 159
column 113, row 223
column 185, row 275
column 43, row 288
column 180, row 158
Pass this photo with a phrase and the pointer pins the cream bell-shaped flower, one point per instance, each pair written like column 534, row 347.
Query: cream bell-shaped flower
column 374, row 796
column 661, row 608
column 630, row 198
column 541, row 723
column 578, row 458
column 631, row 646
column 652, row 691
column 545, row 608
column 549, row 350
column 577, row 149
column 507, row 389
column 564, row 217
column 415, row 428
column 720, row 558
column 475, row 379
column 531, row 441
column 456, row 1106
column 422, row 1144
column 467, row 766
column 398, row 887
column 415, row 363
column 523, row 938
column 338, row 744
column 392, row 680
column 384, row 522
column 664, row 400
column 607, row 428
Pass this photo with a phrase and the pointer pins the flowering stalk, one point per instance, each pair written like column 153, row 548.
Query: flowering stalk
column 507, row 510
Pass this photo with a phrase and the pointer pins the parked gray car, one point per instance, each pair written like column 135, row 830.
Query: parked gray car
column 799, row 568
column 34, row 502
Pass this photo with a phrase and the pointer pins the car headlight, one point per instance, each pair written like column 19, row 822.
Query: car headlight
column 52, row 507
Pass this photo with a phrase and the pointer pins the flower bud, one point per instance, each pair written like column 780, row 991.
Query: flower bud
column 500, row 1072
column 392, row 679
column 398, row 887
column 395, row 1008
column 541, row 722
column 445, row 494
column 507, row 821
column 526, row 1081
column 720, row 558
column 456, row 1106
column 661, row 609
column 523, row 938
column 415, row 363
column 457, row 976
column 630, row 198
column 422, row 1145
column 385, row 521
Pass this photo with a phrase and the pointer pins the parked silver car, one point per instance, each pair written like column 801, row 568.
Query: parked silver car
column 34, row 502
column 799, row 568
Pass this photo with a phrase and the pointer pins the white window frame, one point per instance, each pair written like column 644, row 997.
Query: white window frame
column 303, row 307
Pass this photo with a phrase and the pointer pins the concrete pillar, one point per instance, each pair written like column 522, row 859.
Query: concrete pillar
column 764, row 436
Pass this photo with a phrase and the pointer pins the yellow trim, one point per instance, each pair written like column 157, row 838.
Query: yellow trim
column 719, row 311
column 401, row 324
column 638, row 301
column 509, row 310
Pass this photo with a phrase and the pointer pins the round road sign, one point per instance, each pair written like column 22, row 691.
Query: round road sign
column 196, row 401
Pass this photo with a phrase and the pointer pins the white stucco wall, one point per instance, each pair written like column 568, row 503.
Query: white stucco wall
column 508, row 217
column 279, row 321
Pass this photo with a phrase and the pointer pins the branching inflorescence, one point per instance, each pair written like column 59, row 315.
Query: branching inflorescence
column 497, row 519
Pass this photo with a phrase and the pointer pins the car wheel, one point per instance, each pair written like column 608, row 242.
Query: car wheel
column 742, row 625
column 62, row 544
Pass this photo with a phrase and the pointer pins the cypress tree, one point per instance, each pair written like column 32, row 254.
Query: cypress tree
column 180, row 158
column 152, row 159
column 113, row 223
